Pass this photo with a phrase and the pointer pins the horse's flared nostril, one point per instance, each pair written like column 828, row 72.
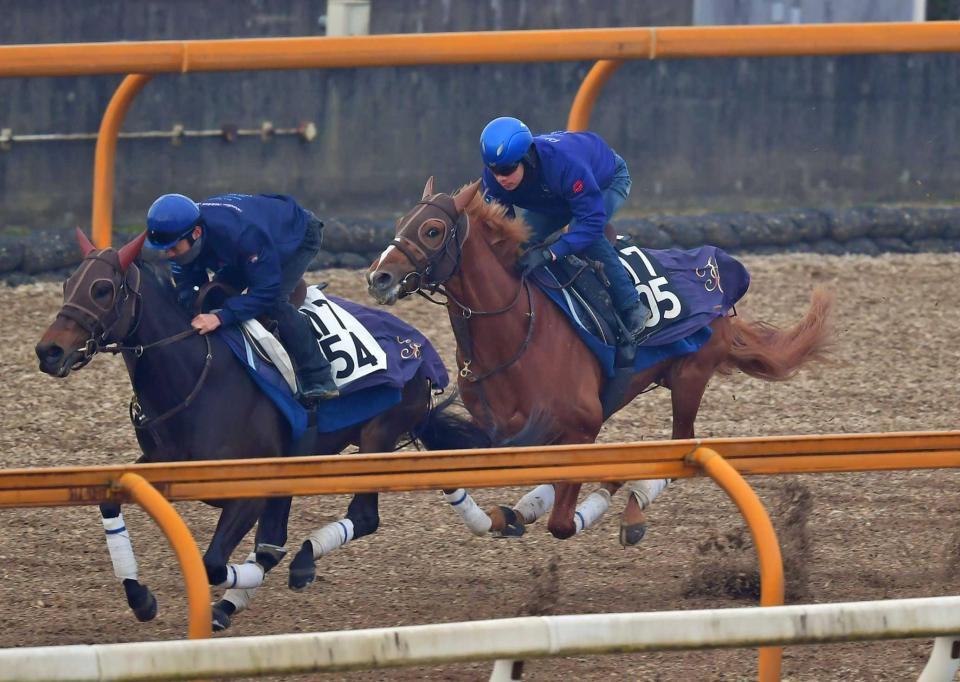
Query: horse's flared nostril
column 381, row 281
column 49, row 353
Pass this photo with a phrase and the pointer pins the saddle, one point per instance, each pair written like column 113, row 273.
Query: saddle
column 345, row 341
column 260, row 333
column 583, row 285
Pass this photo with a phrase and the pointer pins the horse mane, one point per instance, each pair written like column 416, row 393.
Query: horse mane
column 159, row 276
column 504, row 230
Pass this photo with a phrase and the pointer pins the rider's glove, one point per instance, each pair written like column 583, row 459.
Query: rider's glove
column 533, row 259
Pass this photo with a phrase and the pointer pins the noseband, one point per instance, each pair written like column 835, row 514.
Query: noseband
column 431, row 269
column 102, row 327
column 98, row 325
column 427, row 271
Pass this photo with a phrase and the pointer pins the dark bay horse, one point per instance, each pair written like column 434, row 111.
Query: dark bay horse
column 518, row 353
column 194, row 401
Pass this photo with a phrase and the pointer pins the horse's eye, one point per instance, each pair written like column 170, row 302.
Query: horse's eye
column 433, row 233
column 102, row 290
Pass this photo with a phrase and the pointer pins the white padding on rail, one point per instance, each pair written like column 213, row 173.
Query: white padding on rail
column 512, row 638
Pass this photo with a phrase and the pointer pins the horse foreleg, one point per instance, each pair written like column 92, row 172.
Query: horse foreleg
column 268, row 551
column 363, row 518
column 477, row 520
column 511, row 522
column 561, row 523
column 591, row 509
column 139, row 597
column 236, row 519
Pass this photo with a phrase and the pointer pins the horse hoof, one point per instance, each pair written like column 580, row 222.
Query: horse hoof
column 303, row 570
column 140, row 600
column 513, row 526
column 221, row 617
column 632, row 534
column 148, row 610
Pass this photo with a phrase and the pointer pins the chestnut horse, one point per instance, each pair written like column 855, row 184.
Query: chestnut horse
column 519, row 355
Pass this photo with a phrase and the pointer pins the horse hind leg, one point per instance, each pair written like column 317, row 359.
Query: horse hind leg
column 237, row 599
column 268, row 551
column 633, row 521
column 237, row 517
column 363, row 518
column 380, row 434
column 139, row 597
column 687, row 380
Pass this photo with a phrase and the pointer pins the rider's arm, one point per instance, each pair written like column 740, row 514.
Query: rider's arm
column 260, row 264
column 580, row 190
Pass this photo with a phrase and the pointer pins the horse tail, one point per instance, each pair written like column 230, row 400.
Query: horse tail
column 449, row 429
column 766, row 352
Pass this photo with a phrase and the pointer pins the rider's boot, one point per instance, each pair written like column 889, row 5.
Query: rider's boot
column 317, row 385
column 314, row 375
column 635, row 319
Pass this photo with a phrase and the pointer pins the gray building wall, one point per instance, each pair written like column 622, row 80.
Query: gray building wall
column 805, row 11
column 698, row 134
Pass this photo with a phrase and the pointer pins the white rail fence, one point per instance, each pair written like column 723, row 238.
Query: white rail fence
column 509, row 639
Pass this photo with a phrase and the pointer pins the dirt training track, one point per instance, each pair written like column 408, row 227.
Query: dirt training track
column 846, row 536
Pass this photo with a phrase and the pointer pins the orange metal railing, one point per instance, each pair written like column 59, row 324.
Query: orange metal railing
column 724, row 459
column 610, row 45
column 389, row 472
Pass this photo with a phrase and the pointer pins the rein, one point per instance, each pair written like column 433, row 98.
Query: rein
column 423, row 260
column 91, row 322
column 137, row 416
column 425, row 281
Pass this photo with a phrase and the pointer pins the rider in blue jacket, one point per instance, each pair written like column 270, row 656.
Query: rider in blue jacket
column 262, row 243
column 563, row 178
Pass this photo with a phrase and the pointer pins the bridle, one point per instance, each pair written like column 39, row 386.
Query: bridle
column 117, row 322
column 433, row 268
column 102, row 323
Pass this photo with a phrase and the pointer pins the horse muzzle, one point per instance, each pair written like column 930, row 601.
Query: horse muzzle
column 383, row 287
column 57, row 362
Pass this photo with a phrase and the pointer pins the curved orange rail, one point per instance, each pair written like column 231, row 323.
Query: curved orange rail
column 194, row 574
column 764, row 539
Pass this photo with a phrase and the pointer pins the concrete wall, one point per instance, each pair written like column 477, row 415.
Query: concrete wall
column 803, row 11
column 698, row 134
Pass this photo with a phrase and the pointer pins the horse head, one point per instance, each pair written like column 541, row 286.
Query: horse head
column 99, row 306
column 426, row 250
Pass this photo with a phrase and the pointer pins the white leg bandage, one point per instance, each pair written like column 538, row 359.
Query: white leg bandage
column 330, row 537
column 535, row 503
column 241, row 598
column 591, row 509
column 121, row 551
column 646, row 491
column 243, row 576
column 476, row 519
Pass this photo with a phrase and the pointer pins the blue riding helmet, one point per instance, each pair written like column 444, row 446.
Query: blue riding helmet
column 503, row 143
column 170, row 219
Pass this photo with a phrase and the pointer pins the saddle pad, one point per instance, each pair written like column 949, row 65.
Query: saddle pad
column 405, row 350
column 685, row 289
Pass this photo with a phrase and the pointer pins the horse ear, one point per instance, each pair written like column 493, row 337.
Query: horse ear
column 86, row 246
column 463, row 198
column 130, row 251
column 428, row 188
